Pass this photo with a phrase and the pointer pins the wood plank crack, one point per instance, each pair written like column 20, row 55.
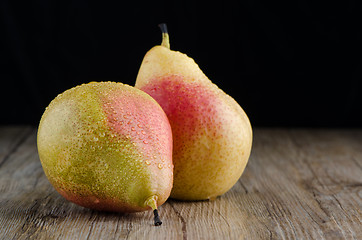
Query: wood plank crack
column 92, row 223
column 129, row 230
column 183, row 222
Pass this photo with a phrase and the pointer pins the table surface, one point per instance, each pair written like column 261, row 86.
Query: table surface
column 298, row 184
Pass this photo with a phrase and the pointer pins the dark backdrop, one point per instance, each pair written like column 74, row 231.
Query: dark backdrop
column 294, row 64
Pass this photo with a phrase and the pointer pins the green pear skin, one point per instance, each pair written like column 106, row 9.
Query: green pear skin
column 107, row 146
column 212, row 135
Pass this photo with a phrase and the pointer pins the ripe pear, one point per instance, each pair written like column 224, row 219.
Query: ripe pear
column 107, row 146
column 212, row 135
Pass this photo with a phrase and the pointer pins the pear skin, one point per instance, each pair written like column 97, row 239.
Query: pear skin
column 107, row 146
column 212, row 135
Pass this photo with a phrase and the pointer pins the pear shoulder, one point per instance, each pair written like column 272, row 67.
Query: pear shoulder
column 160, row 62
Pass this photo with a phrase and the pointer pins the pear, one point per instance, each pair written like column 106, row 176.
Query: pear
column 212, row 135
column 107, row 146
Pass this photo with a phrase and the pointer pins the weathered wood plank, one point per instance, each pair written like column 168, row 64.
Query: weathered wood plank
column 11, row 137
column 299, row 184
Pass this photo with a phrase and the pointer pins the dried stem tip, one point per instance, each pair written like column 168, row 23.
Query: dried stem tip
column 157, row 219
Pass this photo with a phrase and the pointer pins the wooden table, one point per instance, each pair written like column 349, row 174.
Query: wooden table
column 299, row 184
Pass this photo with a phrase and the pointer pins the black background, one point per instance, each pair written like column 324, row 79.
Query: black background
column 291, row 64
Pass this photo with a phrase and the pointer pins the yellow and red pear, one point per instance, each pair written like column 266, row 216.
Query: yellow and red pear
column 107, row 146
column 212, row 135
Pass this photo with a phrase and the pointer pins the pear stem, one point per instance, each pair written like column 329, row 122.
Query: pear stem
column 152, row 203
column 165, row 37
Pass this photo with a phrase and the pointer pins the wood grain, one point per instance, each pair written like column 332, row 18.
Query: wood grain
column 299, row 184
